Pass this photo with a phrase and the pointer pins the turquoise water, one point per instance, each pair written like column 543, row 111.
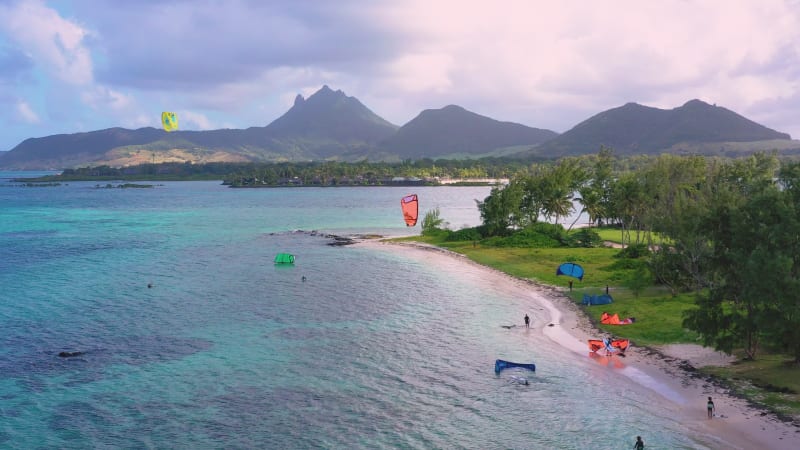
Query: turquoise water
column 376, row 349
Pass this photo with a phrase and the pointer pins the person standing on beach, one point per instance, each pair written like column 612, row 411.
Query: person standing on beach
column 527, row 321
column 639, row 445
column 710, row 408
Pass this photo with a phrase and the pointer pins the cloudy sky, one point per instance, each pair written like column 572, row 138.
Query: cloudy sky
column 83, row 65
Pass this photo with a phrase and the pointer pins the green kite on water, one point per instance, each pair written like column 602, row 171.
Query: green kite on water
column 284, row 258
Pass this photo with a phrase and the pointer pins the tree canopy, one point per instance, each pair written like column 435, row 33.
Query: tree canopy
column 726, row 229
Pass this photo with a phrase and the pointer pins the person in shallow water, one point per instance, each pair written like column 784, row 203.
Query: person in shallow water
column 527, row 321
column 710, row 408
column 639, row 444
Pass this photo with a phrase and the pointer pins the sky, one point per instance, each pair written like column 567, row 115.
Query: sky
column 84, row 65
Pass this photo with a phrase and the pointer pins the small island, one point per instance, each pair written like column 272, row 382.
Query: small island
column 125, row 186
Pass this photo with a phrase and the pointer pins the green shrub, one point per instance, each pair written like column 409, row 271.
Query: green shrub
column 638, row 279
column 494, row 241
column 538, row 235
column 465, row 234
column 633, row 251
column 555, row 232
column 438, row 234
column 585, row 237
column 625, row 264
column 431, row 222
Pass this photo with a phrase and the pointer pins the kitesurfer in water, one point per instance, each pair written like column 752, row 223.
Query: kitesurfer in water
column 527, row 321
column 639, row 445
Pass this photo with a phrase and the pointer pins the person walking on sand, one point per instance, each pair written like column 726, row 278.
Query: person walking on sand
column 527, row 321
column 710, row 408
column 639, row 445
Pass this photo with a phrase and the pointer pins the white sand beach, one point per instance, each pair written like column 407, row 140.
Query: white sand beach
column 663, row 370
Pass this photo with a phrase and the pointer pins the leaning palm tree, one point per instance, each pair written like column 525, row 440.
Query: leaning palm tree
column 557, row 202
column 590, row 200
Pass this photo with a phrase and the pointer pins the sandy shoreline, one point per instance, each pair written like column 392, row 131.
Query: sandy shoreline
column 740, row 426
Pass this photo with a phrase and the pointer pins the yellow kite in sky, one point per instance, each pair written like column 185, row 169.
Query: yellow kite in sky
column 169, row 120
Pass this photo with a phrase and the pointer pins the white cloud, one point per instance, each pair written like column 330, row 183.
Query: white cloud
column 421, row 72
column 193, row 120
column 54, row 43
column 541, row 63
column 139, row 121
column 261, row 99
column 26, row 113
column 269, row 85
column 523, row 56
column 105, row 99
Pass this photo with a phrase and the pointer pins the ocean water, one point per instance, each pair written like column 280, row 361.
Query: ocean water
column 375, row 349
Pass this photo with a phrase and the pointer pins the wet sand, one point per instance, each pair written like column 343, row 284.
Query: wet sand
column 667, row 371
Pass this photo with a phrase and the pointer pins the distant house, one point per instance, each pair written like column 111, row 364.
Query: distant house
column 294, row 181
column 407, row 181
column 487, row 181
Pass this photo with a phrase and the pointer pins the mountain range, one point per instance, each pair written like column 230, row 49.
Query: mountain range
column 330, row 125
column 636, row 129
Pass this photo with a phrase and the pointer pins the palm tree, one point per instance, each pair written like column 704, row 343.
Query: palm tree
column 591, row 204
column 557, row 202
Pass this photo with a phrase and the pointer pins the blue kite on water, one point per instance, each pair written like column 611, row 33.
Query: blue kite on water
column 570, row 269
column 500, row 365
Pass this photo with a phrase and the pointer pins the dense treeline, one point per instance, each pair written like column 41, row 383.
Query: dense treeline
column 177, row 171
column 332, row 173
column 727, row 230
column 319, row 173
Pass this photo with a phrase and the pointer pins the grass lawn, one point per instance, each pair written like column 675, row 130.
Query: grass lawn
column 659, row 316
column 609, row 234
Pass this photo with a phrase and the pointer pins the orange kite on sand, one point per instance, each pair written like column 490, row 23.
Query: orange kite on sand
column 611, row 345
column 607, row 319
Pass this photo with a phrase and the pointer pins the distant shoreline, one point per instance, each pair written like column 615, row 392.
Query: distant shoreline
column 285, row 184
